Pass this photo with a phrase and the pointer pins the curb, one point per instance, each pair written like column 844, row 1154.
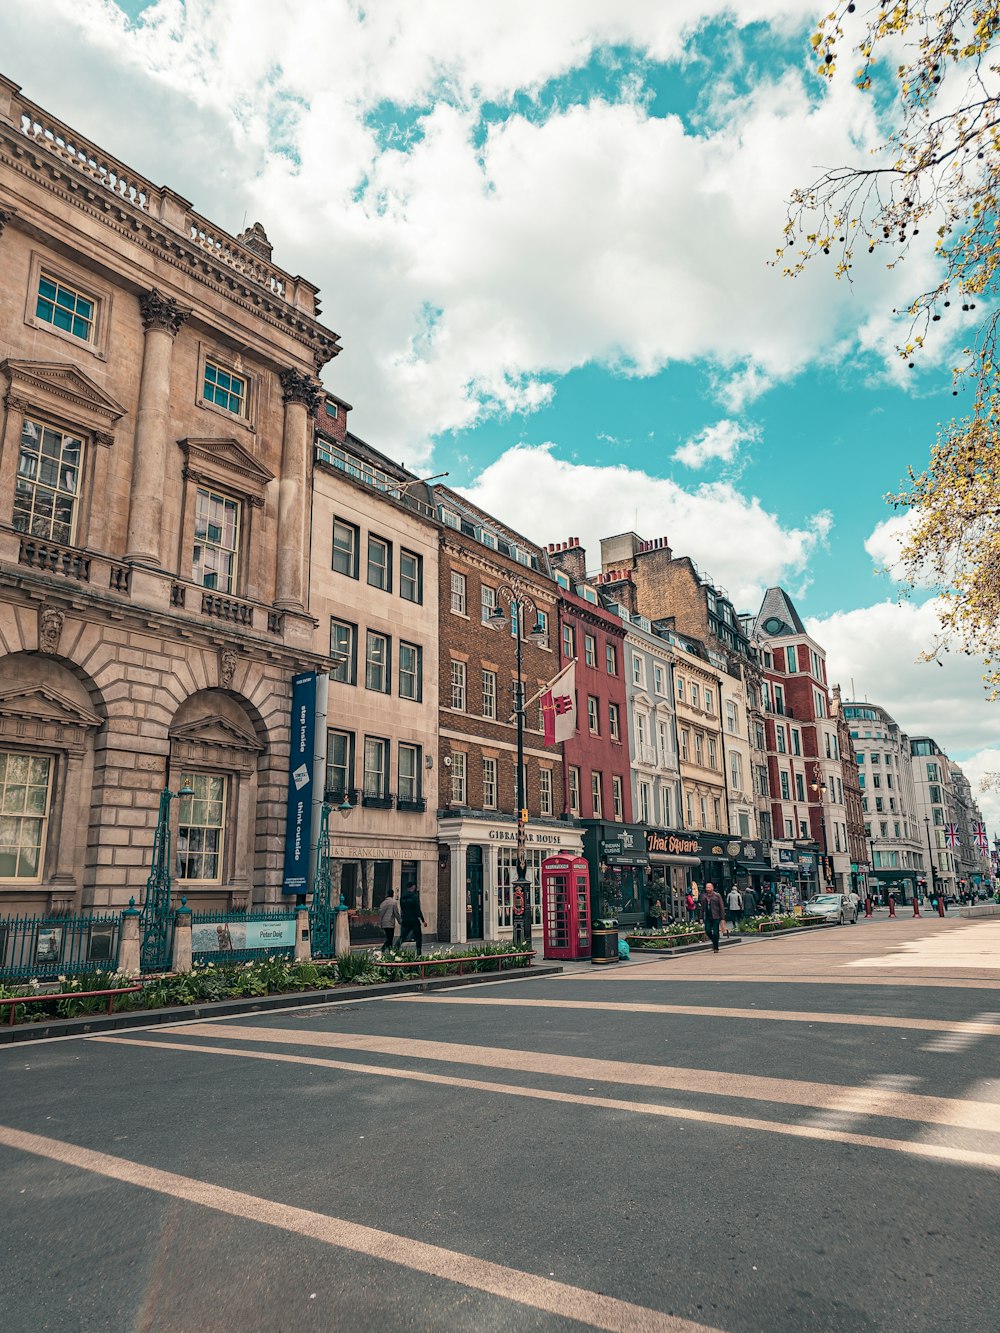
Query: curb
column 135, row 1018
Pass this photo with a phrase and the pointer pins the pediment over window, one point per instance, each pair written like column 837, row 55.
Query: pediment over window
column 216, row 730
column 61, row 387
column 40, row 703
column 225, row 460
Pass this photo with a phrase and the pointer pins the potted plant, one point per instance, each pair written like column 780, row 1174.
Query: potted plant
column 604, row 931
column 654, row 912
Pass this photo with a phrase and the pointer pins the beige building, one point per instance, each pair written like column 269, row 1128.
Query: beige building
column 374, row 586
column 158, row 381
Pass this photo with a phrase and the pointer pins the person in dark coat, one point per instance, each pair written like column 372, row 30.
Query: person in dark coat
column 749, row 901
column 713, row 909
column 412, row 918
column 388, row 915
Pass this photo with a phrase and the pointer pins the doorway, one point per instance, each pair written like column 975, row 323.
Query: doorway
column 474, row 893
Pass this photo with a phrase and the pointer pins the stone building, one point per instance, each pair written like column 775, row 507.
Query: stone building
column 481, row 562
column 854, row 818
column 158, row 379
column 374, row 590
column 937, row 809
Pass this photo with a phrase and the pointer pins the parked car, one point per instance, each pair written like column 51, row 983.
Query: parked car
column 836, row 906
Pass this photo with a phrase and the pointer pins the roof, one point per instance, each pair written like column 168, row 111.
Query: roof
column 777, row 616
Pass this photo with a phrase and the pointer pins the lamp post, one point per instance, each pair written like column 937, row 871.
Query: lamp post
column 819, row 787
column 930, row 854
column 516, row 601
column 321, row 911
column 155, row 922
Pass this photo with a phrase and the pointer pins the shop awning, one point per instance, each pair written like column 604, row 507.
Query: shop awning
column 756, row 867
column 673, row 859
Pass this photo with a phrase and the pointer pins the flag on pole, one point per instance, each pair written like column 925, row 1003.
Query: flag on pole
column 559, row 706
column 951, row 835
column 979, row 833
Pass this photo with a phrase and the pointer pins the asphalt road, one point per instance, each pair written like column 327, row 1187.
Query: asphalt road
column 795, row 1134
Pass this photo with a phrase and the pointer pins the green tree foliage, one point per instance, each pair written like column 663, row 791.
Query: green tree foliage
column 934, row 67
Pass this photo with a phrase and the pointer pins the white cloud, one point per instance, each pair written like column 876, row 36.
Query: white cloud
column 977, row 765
column 873, row 653
column 720, row 441
column 470, row 267
column 730, row 536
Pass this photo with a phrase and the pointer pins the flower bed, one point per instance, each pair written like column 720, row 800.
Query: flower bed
column 670, row 938
column 765, row 925
column 269, row 976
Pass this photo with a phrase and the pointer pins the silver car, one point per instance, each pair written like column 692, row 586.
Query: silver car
column 837, row 906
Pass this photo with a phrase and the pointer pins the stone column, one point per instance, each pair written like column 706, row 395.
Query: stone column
column 161, row 318
column 183, row 955
column 301, row 397
column 303, row 946
column 341, row 932
column 128, row 941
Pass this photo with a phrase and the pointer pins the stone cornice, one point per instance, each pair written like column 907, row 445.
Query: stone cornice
column 536, row 585
column 131, row 222
column 592, row 616
column 60, row 379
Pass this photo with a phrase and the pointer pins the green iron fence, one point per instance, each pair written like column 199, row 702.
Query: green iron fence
column 50, row 947
column 242, row 937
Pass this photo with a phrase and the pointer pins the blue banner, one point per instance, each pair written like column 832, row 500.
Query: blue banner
column 298, row 823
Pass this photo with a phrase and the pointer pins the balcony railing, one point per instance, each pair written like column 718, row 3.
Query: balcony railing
column 51, row 558
column 412, row 807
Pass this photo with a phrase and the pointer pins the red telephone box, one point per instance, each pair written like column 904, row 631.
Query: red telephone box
column 566, row 906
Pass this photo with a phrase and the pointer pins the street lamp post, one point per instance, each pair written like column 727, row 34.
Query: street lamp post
column 321, row 910
column 516, row 600
column 155, row 924
column 930, row 855
column 819, row 787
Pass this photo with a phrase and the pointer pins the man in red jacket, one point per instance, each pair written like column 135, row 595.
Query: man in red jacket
column 713, row 910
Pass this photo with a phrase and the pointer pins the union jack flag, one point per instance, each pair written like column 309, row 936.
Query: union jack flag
column 951, row 835
column 980, row 836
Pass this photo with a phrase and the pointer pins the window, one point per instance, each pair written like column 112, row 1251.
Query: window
column 796, row 741
column 814, row 659
column 614, row 723
column 458, row 593
column 685, row 738
column 717, row 812
column 791, row 658
column 489, row 694
column 876, row 758
column 744, row 821
column 638, row 671
column 200, row 828
column 345, row 548
column 545, row 791
column 680, row 688
column 574, row 790
column 611, row 658
column 25, row 780
column 65, row 308
column 339, row 764
column 489, row 784
column 408, row 791
column 225, row 389
column 704, row 811
column 411, row 671
column 819, row 699
column 664, row 739
column 659, row 678
column 709, row 701
column 665, row 797
column 590, row 650
column 695, row 696
column 379, row 563
column 732, row 718
column 789, row 829
column 690, row 812
column 344, row 651
column 48, row 482
column 736, row 770
column 712, row 763
column 487, row 602
column 216, row 541
column 568, row 641
column 377, row 663
column 698, row 748
column 645, row 803
column 411, row 576
column 800, row 788
column 458, row 686
column 542, row 618
column 779, row 736
column 595, row 793
column 932, row 770
column 376, row 779
column 803, row 829
column 593, row 715
column 617, row 798
column 786, row 791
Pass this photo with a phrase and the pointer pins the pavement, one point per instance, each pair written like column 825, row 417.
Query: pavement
column 798, row 1134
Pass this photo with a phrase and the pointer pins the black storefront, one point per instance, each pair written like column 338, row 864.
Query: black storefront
column 729, row 861
column 618, row 861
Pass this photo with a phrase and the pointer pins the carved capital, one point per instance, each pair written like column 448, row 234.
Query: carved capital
column 16, row 403
column 161, row 312
column 50, row 625
column 299, row 388
column 5, row 216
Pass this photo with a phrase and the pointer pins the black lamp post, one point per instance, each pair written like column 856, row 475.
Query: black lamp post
column 819, row 787
column 516, row 600
column 930, row 855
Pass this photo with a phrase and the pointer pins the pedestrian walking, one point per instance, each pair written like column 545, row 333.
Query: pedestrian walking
column 713, row 910
column 734, row 907
column 411, row 919
column 388, row 915
column 749, row 901
column 767, row 901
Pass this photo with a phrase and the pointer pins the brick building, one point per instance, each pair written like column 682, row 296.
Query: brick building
column 481, row 560
column 158, row 378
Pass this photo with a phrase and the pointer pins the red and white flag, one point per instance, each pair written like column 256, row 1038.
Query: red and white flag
column 559, row 706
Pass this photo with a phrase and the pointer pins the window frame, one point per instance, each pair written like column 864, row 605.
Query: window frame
column 573, row 788
column 43, row 819
column 211, row 358
column 611, row 659
column 85, row 284
column 459, row 777
column 372, row 635
column 42, row 422
column 351, row 661
column 186, row 780
column 488, row 677
column 348, row 767
column 409, row 747
column 590, row 650
column 491, row 779
column 614, row 721
column 236, row 577
column 386, row 567
column 385, row 748
column 594, row 714
column 417, row 674
column 354, row 571
column 545, row 792
column 417, row 581
column 459, row 685
column 459, row 587
column 597, row 793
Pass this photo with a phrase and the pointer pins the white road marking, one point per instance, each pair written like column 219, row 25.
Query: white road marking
column 960, row 1036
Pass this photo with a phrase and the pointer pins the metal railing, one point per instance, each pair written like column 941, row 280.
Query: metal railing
column 49, row 947
column 242, row 937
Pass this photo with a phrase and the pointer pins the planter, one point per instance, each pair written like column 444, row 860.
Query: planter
column 665, row 941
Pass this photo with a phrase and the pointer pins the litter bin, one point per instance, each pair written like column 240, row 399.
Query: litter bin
column 603, row 943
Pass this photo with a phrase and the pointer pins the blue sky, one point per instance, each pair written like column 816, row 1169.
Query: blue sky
column 543, row 233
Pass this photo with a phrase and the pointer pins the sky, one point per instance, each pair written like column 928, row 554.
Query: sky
column 546, row 236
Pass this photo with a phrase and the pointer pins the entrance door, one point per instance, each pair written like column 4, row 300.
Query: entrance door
column 474, row 893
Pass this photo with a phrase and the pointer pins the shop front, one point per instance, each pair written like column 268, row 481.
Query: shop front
column 674, row 864
column 797, row 867
column 618, row 863
column 363, row 871
column 729, row 861
column 477, row 867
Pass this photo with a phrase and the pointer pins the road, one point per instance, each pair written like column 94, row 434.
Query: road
column 796, row 1134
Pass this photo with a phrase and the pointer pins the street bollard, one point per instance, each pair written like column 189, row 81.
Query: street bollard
column 868, row 907
column 916, row 907
column 892, row 905
column 940, row 905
